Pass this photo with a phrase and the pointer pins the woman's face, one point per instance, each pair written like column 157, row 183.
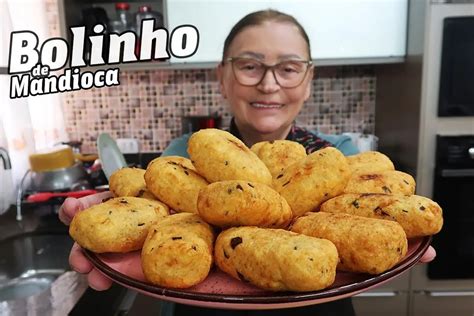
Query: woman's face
column 267, row 107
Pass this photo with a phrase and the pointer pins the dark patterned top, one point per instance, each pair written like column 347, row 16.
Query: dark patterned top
column 309, row 140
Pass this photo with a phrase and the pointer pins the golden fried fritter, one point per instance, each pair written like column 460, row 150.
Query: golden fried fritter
column 418, row 215
column 117, row 225
column 127, row 182
column 320, row 176
column 388, row 182
column 279, row 154
column 175, row 181
column 276, row 259
column 178, row 251
column 369, row 162
column 365, row 245
column 218, row 155
column 243, row 203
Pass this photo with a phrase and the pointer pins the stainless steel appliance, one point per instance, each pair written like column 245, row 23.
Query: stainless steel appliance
column 407, row 122
column 454, row 191
column 446, row 285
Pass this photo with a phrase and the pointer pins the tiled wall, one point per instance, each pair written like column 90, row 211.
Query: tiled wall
column 148, row 105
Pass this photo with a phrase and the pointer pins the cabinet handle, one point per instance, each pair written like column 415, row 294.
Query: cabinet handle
column 378, row 294
column 451, row 173
column 450, row 293
column 471, row 152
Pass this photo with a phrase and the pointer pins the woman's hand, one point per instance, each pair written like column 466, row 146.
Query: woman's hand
column 77, row 260
column 429, row 255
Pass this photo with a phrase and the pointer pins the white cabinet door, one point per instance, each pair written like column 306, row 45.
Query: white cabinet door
column 443, row 303
column 401, row 283
column 381, row 303
column 338, row 29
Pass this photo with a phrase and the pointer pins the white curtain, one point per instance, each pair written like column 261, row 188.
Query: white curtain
column 32, row 123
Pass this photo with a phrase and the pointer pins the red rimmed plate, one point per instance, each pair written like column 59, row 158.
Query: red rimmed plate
column 219, row 290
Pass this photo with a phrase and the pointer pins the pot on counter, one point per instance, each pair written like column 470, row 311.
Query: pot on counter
column 56, row 169
column 68, row 178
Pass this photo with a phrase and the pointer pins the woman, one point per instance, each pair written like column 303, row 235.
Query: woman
column 265, row 75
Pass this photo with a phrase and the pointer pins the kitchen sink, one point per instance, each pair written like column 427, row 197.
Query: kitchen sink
column 30, row 283
column 29, row 265
column 27, row 255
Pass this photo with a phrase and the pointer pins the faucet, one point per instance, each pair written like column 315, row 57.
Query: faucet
column 5, row 158
column 19, row 196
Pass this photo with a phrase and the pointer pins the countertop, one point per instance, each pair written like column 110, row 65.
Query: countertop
column 41, row 219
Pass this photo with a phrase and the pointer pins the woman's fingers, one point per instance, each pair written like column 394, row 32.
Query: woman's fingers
column 98, row 281
column 78, row 261
column 81, row 264
column 89, row 200
column 67, row 210
column 429, row 255
column 71, row 205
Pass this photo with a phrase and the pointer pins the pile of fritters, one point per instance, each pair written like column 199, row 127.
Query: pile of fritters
column 270, row 215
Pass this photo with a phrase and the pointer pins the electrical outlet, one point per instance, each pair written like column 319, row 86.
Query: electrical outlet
column 128, row 145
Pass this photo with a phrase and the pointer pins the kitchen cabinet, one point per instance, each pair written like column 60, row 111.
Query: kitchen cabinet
column 341, row 31
column 442, row 303
column 375, row 303
column 390, row 297
column 71, row 13
column 72, row 9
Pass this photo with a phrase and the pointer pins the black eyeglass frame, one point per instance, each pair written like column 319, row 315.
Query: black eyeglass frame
column 308, row 63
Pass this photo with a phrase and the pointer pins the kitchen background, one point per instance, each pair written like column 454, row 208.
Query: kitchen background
column 397, row 101
column 149, row 105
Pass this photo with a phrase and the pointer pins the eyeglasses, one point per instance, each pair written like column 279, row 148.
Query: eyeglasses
column 250, row 72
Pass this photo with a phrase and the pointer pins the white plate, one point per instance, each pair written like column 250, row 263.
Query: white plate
column 110, row 155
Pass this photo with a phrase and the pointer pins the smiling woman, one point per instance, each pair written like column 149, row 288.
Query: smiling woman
column 265, row 103
column 265, row 76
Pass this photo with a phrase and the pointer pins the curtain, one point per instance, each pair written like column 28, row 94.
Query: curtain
column 27, row 124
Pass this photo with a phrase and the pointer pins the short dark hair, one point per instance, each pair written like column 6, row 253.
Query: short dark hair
column 258, row 18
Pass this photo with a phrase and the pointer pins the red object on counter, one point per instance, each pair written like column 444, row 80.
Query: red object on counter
column 122, row 6
column 44, row 196
column 207, row 123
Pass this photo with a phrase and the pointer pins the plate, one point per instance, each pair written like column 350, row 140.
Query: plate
column 110, row 155
column 219, row 290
